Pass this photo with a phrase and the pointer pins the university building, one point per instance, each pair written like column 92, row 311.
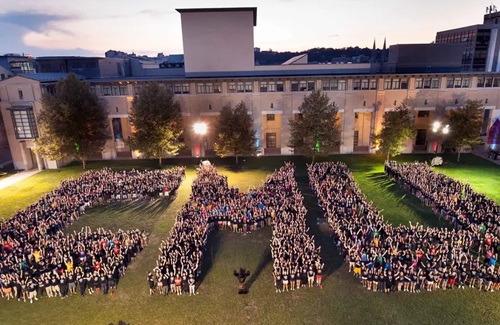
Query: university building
column 218, row 68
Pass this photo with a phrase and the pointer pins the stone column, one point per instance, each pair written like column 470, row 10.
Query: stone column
column 22, row 146
column 39, row 161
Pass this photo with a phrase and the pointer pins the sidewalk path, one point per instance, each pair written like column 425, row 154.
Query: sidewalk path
column 13, row 179
column 484, row 155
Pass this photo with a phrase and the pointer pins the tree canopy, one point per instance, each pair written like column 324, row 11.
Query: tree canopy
column 465, row 126
column 314, row 130
column 157, row 122
column 235, row 132
column 72, row 122
column 397, row 127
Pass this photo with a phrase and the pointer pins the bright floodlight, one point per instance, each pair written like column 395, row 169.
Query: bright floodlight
column 446, row 129
column 436, row 125
column 200, row 128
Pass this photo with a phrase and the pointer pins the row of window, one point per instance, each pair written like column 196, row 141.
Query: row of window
column 488, row 82
column 296, row 86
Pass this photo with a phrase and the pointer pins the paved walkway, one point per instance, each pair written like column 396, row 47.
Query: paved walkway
column 13, row 179
column 484, row 155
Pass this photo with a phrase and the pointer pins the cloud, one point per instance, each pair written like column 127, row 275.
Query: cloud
column 32, row 21
column 155, row 13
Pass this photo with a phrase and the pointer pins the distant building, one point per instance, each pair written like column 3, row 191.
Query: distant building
column 482, row 43
column 89, row 67
column 425, row 58
column 12, row 64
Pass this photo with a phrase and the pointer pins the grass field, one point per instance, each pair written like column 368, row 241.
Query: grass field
column 342, row 301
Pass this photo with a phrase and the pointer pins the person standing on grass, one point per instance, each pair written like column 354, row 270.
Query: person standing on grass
column 192, row 285
column 151, row 282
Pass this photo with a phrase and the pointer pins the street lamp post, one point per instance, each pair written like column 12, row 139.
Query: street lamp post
column 439, row 128
column 200, row 129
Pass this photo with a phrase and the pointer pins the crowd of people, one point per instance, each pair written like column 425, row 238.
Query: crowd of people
column 214, row 205
column 411, row 257
column 452, row 200
column 37, row 258
column 297, row 261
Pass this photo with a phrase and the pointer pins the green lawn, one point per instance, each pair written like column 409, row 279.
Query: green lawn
column 342, row 301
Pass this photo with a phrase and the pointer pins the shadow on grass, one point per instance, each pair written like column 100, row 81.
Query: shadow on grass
column 211, row 248
column 408, row 201
column 318, row 225
column 265, row 259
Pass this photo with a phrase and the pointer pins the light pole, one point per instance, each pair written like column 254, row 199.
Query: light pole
column 200, row 129
column 439, row 128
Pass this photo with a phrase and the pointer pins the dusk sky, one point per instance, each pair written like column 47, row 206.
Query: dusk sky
column 91, row 27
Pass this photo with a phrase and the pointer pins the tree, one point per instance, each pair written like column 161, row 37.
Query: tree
column 235, row 132
column 314, row 130
column 157, row 123
column 72, row 122
column 397, row 127
column 465, row 126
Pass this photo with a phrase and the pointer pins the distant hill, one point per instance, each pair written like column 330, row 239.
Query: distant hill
column 317, row 55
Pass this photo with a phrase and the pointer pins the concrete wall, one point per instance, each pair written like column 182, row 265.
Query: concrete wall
column 218, row 41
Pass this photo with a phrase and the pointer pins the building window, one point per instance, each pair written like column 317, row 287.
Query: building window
column 177, row 89
column 449, row 83
column 240, row 87
column 356, row 85
column 488, row 82
column 271, row 86
column 24, row 124
column 420, row 139
column 51, row 89
column 325, row 84
column 185, row 89
column 480, row 82
column 21, row 95
column 2, row 76
column 279, row 86
column 270, row 140
column 426, row 83
column 115, row 90
column 423, row 113
column 232, row 87
column 270, row 117
column 387, row 84
column 364, row 84
column 123, row 90
column 263, row 87
column 208, row 88
column 248, row 87
column 137, row 89
column 117, row 129
column 106, row 91
column 373, row 84
column 341, row 85
column 303, row 85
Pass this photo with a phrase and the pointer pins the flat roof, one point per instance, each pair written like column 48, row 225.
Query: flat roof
column 253, row 9
column 69, row 57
